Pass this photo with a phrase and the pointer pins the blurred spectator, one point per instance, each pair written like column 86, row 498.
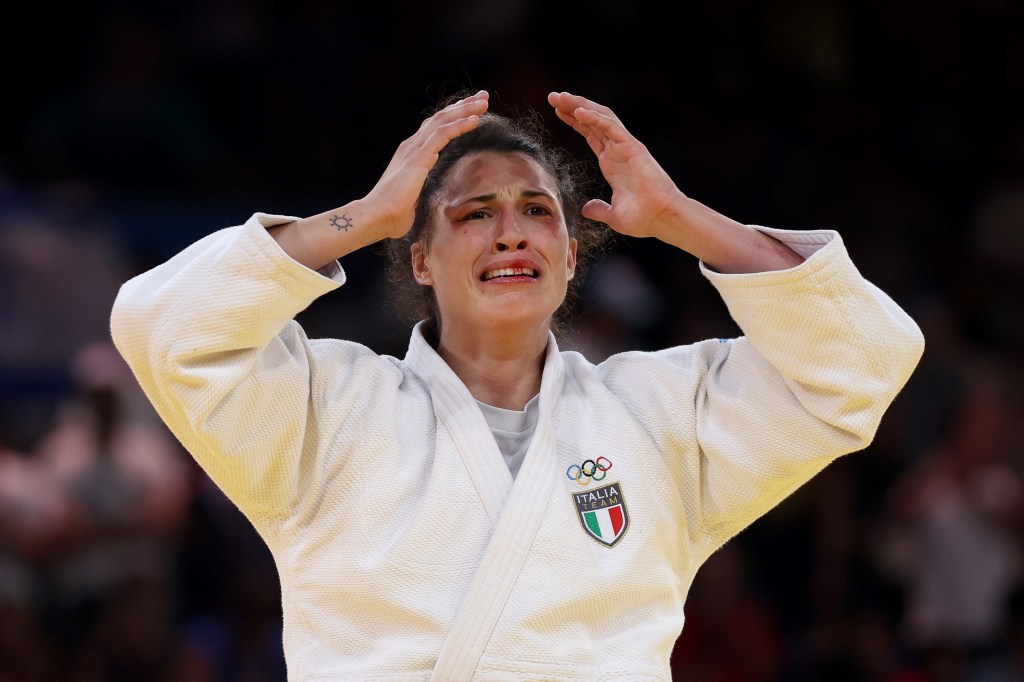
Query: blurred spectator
column 958, row 517
column 61, row 263
column 124, row 482
column 32, row 511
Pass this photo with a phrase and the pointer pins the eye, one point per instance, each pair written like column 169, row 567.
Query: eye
column 537, row 210
column 475, row 215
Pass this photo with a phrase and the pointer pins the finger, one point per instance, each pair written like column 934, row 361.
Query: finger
column 466, row 107
column 476, row 104
column 568, row 102
column 598, row 210
column 425, row 146
column 608, row 125
column 570, row 120
column 479, row 94
column 447, row 132
column 461, row 117
column 594, row 140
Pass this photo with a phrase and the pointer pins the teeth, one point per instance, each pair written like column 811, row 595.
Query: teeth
column 509, row 272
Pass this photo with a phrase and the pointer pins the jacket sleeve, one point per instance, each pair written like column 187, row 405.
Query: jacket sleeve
column 744, row 422
column 210, row 337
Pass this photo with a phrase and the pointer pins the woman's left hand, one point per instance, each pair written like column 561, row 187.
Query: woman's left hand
column 644, row 198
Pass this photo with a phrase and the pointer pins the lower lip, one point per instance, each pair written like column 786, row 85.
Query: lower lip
column 515, row 279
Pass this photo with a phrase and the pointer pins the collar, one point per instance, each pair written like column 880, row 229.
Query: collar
column 445, row 384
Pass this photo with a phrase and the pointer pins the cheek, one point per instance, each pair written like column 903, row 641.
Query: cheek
column 453, row 254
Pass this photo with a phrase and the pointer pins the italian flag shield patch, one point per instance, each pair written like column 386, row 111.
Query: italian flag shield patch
column 602, row 512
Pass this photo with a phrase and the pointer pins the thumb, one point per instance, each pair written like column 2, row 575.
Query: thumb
column 598, row 210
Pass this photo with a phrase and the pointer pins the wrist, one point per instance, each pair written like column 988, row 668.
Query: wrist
column 675, row 219
column 366, row 218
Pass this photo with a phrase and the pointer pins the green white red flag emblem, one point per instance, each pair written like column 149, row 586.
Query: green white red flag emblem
column 602, row 512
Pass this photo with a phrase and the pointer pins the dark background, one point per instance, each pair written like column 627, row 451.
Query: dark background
column 131, row 130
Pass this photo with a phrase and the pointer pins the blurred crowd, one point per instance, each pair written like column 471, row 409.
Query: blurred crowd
column 899, row 124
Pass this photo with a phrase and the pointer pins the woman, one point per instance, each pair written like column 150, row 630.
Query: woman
column 489, row 507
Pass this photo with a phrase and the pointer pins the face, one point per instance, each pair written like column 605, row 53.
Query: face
column 499, row 252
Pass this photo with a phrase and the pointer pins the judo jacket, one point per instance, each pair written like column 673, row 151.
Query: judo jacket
column 405, row 549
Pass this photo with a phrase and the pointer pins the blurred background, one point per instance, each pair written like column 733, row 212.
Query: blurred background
column 132, row 129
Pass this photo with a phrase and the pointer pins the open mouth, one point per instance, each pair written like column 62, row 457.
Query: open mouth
column 508, row 273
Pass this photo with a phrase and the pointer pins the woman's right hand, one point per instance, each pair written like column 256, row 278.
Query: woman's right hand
column 390, row 208
column 392, row 201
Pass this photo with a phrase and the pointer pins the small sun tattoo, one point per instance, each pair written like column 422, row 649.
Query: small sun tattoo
column 341, row 222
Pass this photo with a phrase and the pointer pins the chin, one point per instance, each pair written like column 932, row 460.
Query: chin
column 525, row 314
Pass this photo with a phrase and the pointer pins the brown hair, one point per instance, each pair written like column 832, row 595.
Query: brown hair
column 524, row 134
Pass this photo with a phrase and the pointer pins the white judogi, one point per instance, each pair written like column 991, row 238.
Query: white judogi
column 404, row 548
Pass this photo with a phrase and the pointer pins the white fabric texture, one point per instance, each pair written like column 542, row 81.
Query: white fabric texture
column 512, row 430
column 405, row 549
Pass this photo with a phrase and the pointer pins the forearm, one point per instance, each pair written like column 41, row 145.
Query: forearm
column 388, row 210
column 207, row 334
column 319, row 240
column 844, row 347
column 721, row 243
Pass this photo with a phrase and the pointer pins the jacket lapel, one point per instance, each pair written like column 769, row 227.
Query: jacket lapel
column 459, row 414
column 516, row 509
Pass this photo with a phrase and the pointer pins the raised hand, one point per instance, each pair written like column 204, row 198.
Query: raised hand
column 646, row 203
column 643, row 195
column 392, row 201
column 390, row 208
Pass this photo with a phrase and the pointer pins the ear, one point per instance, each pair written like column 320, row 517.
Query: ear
column 420, row 266
column 570, row 261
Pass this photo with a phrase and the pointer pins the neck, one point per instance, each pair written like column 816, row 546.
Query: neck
column 500, row 366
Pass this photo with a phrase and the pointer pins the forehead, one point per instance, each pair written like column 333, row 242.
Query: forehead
column 485, row 173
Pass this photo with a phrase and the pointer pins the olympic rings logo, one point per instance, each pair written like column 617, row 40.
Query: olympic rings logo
column 596, row 472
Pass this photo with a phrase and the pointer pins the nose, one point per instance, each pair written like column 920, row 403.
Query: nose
column 509, row 235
